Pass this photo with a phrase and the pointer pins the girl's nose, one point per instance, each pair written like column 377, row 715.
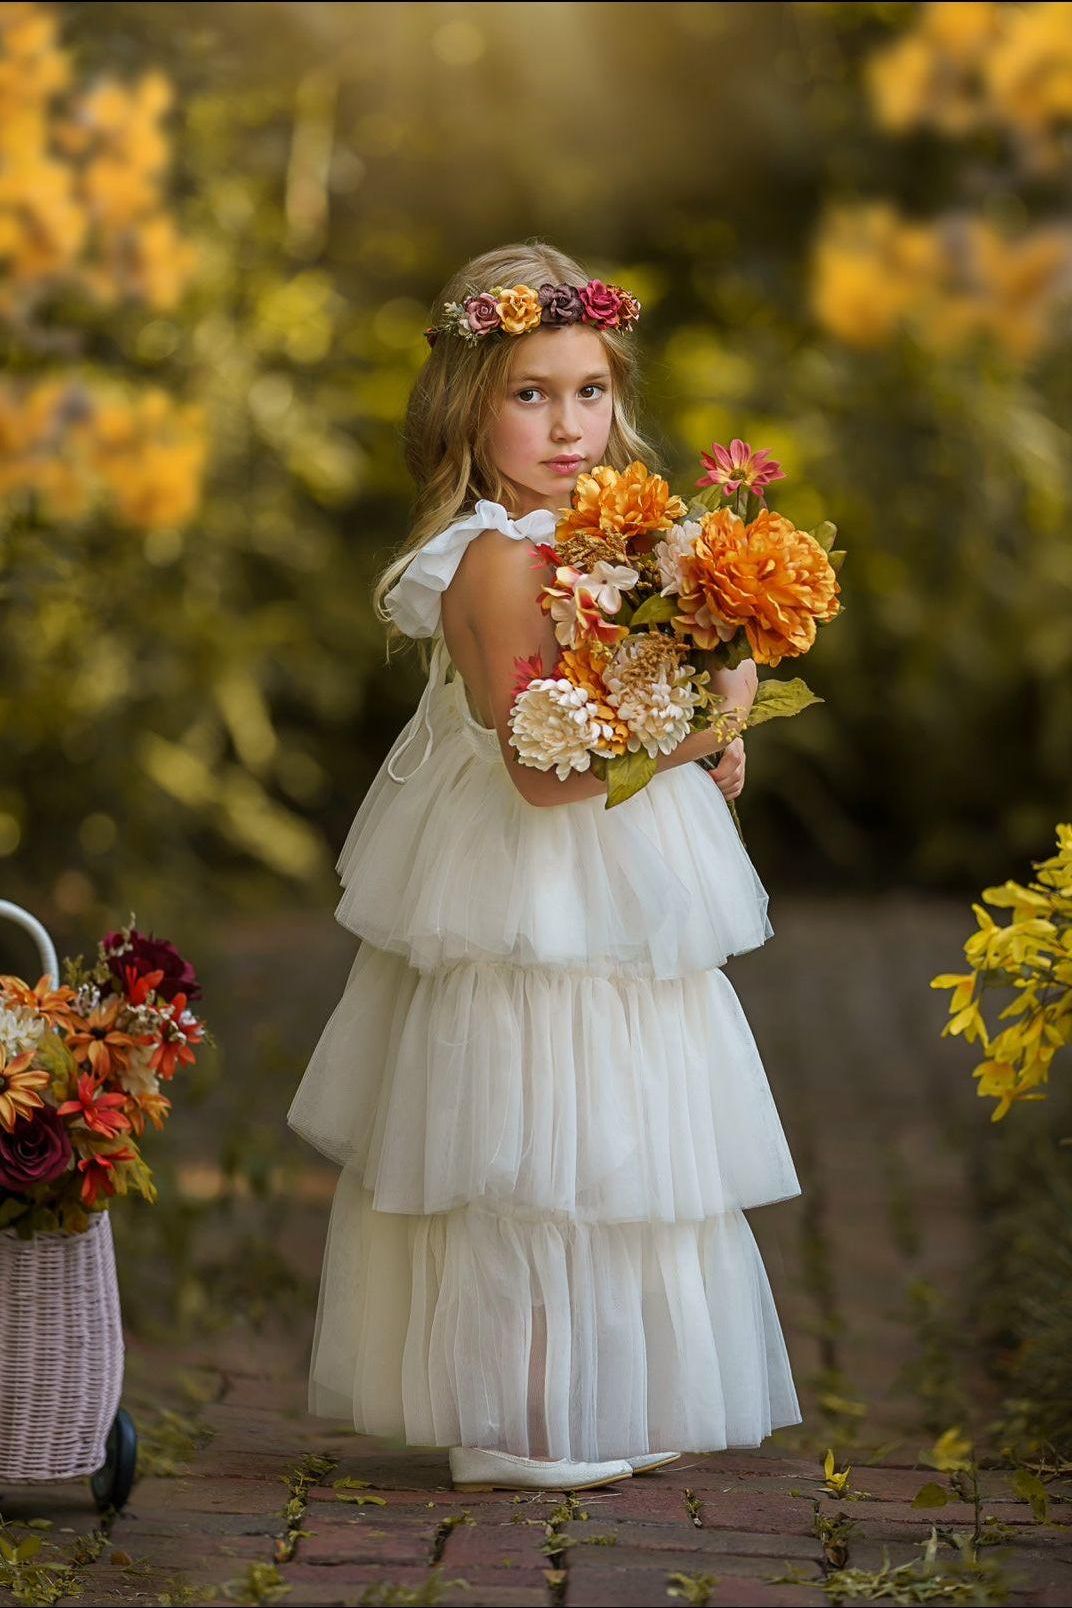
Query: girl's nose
column 567, row 429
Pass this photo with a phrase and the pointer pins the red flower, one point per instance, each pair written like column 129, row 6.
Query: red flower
column 176, row 1037
column 103, row 1113
column 36, row 1150
column 139, row 987
column 527, row 670
column 129, row 947
column 602, row 304
column 97, row 1173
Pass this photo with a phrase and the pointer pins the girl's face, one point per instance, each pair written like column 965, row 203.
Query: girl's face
column 555, row 419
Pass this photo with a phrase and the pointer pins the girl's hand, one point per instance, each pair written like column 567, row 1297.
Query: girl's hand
column 728, row 774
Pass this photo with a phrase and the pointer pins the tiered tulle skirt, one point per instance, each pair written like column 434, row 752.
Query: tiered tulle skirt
column 550, row 1115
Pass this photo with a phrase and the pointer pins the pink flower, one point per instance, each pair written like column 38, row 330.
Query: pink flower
column 483, row 313
column 739, row 466
column 602, row 304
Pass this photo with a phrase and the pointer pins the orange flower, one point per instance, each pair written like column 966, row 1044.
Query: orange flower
column 19, row 1083
column 51, row 1003
column 101, row 1043
column 583, row 666
column 519, row 308
column 103, row 1113
column 772, row 579
column 628, row 504
column 153, row 1106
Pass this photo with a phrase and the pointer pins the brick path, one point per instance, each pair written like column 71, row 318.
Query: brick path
column 866, row 1268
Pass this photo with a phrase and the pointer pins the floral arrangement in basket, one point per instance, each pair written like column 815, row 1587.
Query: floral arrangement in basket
column 650, row 597
column 81, row 1067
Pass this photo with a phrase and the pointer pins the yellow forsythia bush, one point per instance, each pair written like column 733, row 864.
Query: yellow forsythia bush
column 1032, row 955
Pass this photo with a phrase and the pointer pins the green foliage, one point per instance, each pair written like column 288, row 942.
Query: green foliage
column 627, row 773
column 218, row 690
column 780, row 698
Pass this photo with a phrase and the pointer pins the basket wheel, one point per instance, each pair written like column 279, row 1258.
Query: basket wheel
column 112, row 1482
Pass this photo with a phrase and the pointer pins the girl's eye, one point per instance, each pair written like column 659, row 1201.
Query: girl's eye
column 529, row 390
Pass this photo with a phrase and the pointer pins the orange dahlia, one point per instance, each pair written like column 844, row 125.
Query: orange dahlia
column 768, row 577
column 628, row 504
column 583, row 666
column 19, row 1083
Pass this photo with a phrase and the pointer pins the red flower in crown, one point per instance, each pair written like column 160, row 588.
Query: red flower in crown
column 603, row 304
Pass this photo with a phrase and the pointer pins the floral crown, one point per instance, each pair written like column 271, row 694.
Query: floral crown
column 519, row 308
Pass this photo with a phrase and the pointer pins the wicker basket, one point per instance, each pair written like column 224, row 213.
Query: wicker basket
column 61, row 1352
column 61, row 1334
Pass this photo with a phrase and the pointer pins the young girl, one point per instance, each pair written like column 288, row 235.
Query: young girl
column 546, row 1101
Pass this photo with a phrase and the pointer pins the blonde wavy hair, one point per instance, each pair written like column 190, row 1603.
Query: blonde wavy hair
column 457, row 391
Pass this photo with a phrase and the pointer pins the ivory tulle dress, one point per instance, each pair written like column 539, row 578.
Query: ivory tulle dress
column 546, row 1102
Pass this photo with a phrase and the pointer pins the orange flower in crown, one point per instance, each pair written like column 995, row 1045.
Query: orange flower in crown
column 519, row 309
column 623, row 504
column 768, row 577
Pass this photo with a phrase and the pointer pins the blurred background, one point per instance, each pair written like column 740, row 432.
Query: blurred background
column 223, row 228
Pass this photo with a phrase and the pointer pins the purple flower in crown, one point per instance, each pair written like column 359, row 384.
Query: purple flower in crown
column 482, row 313
column 561, row 304
column 602, row 304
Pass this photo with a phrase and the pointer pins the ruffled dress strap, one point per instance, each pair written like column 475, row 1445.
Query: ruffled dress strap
column 415, row 601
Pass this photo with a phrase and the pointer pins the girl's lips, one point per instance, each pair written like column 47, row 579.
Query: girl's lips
column 563, row 465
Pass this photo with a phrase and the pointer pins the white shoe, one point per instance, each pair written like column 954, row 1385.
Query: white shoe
column 474, row 1469
column 640, row 1465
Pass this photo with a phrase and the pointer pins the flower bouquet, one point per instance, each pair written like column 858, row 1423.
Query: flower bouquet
column 650, row 597
column 81, row 1067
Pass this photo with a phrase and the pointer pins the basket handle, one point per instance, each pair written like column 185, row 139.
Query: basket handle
column 45, row 947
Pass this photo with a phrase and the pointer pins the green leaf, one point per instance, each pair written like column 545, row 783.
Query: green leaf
column 1030, row 1488
column 653, row 609
column 836, row 559
column 10, row 1209
column 931, row 1495
column 627, row 774
column 824, row 534
column 779, row 699
column 27, row 1549
column 710, row 498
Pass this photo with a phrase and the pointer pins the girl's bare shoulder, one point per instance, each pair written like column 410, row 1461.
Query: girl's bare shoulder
column 497, row 571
